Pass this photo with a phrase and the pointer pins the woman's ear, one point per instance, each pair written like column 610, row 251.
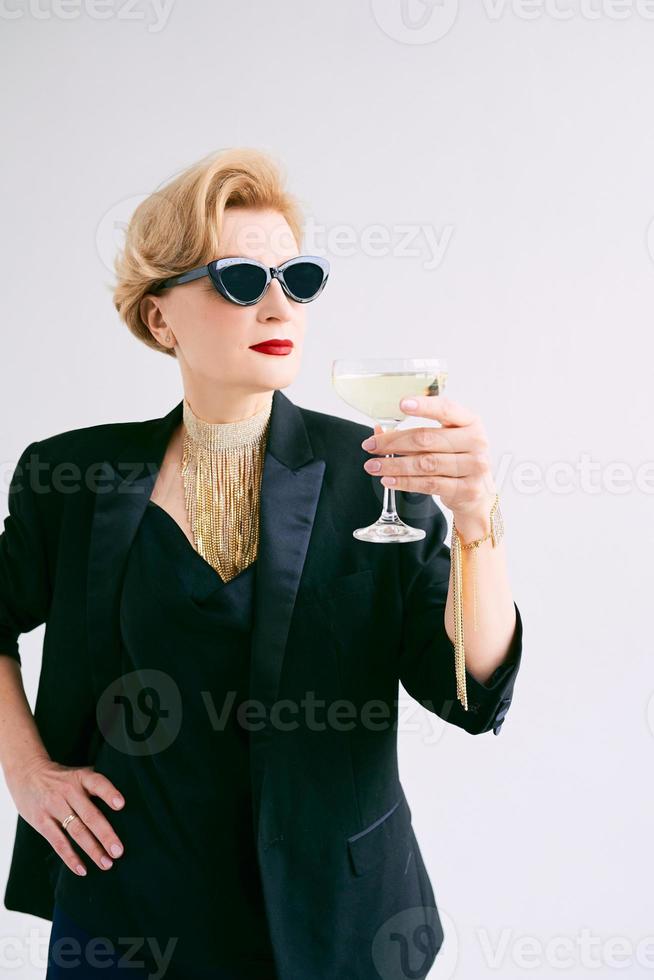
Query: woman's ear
column 149, row 311
column 152, row 315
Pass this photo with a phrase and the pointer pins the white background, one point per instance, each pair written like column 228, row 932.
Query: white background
column 521, row 136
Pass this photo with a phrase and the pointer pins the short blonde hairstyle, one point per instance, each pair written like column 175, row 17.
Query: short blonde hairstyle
column 179, row 226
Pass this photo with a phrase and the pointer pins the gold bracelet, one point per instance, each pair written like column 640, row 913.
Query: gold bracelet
column 495, row 534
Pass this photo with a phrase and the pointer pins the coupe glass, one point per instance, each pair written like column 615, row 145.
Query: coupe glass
column 375, row 386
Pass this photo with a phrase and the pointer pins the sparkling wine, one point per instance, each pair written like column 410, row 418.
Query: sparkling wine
column 378, row 395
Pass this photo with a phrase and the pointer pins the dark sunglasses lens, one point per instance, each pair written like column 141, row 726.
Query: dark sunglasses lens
column 304, row 279
column 243, row 281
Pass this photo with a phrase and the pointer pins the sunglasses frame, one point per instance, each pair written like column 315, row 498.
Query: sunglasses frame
column 214, row 270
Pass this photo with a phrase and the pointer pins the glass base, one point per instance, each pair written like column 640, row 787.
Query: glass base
column 389, row 532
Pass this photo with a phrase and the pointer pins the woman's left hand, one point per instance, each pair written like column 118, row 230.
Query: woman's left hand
column 451, row 461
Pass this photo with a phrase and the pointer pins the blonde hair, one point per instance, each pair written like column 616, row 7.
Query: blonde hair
column 179, row 226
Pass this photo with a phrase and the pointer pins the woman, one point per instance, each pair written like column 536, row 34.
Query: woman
column 211, row 768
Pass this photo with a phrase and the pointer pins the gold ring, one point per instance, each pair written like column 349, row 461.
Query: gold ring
column 71, row 816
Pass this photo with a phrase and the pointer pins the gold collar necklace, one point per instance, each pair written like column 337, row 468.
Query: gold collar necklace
column 222, row 466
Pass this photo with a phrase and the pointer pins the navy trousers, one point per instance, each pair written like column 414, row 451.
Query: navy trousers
column 70, row 958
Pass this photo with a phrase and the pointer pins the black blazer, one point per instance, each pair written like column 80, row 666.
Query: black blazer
column 338, row 620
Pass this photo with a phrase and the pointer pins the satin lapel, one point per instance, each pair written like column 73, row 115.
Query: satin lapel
column 290, row 488
column 123, row 492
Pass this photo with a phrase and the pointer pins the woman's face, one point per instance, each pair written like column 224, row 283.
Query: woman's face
column 212, row 336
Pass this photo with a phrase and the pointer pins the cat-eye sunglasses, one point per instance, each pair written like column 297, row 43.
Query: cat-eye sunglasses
column 245, row 281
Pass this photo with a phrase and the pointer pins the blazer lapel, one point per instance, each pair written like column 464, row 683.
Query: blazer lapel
column 291, row 484
column 290, row 487
column 123, row 492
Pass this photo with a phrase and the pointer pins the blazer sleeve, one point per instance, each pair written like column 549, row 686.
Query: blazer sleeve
column 427, row 653
column 25, row 590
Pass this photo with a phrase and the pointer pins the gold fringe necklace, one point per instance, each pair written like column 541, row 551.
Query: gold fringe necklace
column 222, row 466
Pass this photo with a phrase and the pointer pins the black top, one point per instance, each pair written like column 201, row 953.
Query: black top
column 180, row 756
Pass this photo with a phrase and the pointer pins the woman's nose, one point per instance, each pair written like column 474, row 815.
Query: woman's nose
column 276, row 301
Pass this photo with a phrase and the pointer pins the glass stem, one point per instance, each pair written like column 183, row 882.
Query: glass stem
column 389, row 513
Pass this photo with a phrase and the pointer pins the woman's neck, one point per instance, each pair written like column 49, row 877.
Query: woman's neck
column 226, row 406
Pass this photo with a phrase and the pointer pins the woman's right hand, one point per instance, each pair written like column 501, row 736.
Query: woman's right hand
column 46, row 792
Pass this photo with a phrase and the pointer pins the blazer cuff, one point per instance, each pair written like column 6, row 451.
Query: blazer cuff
column 490, row 701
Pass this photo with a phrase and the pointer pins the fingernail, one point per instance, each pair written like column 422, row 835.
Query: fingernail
column 117, row 801
column 105, row 862
column 80, row 870
column 372, row 465
column 116, row 850
column 388, row 481
column 369, row 443
column 408, row 403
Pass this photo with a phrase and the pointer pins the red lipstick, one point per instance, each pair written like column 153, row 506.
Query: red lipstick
column 274, row 347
